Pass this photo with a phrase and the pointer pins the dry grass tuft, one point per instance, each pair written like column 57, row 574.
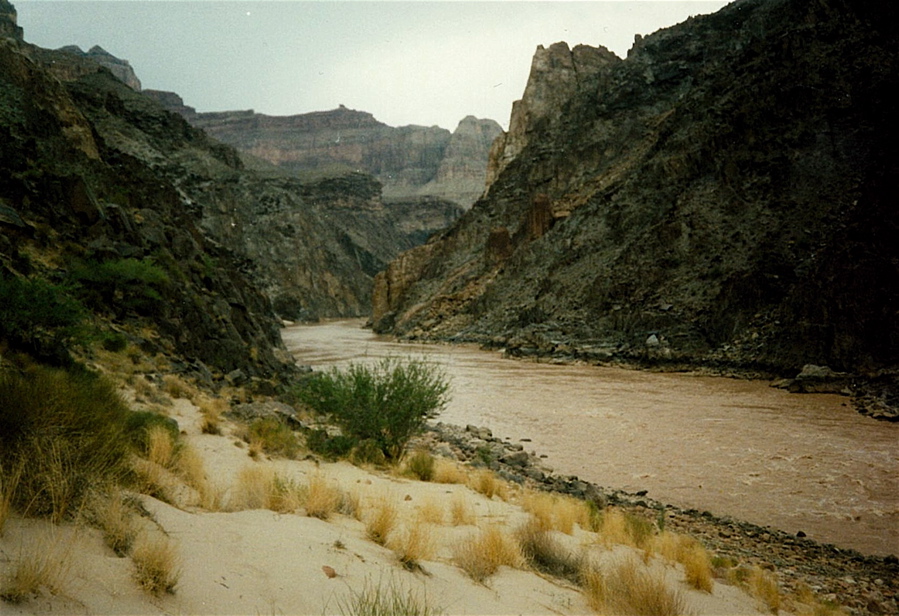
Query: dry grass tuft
column 447, row 471
column 156, row 564
column 483, row 554
column 431, row 512
column 461, row 512
column 762, row 585
column 382, row 521
column 545, row 554
column 189, row 466
column 697, row 567
column 9, row 482
column 177, row 387
column 420, row 465
column 389, row 600
column 253, row 488
column 153, row 479
column 212, row 409
column 43, row 564
column 322, row 498
column 618, row 527
column 160, row 446
column 112, row 514
column 487, row 483
column 414, row 544
column 350, row 504
column 556, row 512
column 630, row 589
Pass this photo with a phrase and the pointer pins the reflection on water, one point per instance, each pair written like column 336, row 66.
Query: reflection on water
column 733, row 447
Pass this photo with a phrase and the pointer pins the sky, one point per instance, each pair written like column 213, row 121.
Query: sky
column 412, row 62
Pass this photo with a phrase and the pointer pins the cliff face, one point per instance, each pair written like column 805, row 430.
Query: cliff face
column 73, row 198
column 120, row 69
column 725, row 195
column 9, row 27
column 408, row 161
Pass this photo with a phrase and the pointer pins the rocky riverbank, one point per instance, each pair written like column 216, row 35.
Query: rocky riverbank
column 862, row 584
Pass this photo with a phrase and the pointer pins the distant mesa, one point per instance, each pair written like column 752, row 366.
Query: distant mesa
column 409, row 161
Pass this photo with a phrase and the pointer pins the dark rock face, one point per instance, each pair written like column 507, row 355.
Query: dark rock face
column 726, row 195
column 72, row 192
column 409, row 161
column 121, row 69
column 9, row 27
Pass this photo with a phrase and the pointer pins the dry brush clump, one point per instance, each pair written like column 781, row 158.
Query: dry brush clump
column 420, row 465
column 461, row 512
column 486, row 482
column 381, row 521
column 484, row 553
column 448, row 471
column 385, row 600
column 544, row 553
column 156, row 564
column 322, row 499
column 41, row 564
column 628, row 588
column 555, row 511
column 413, row 544
column 114, row 515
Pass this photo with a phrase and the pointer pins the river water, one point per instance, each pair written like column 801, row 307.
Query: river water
column 795, row 462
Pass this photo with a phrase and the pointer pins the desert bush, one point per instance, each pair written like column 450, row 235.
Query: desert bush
column 156, row 564
column 389, row 600
column 620, row 527
column 177, row 387
column 763, row 586
column 211, row 411
column 483, row 554
column 69, row 428
column 421, row 465
column 629, row 589
column 431, row 512
column 697, row 567
column 545, row 554
column 556, row 512
column 140, row 424
column 274, row 437
column 253, row 488
column 160, row 446
column 384, row 404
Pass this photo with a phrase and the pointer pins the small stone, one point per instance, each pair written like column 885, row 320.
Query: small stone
column 652, row 340
column 329, row 571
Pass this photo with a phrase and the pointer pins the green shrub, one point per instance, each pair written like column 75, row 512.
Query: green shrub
column 36, row 314
column 389, row 600
column 330, row 447
column 68, row 429
column 385, row 403
column 122, row 284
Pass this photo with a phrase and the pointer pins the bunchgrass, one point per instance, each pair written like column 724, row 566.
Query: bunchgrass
column 381, row 521
column 322, row 499
column 762, row 585
column 483, row 554
column 420, row 465
column 461, row 512
column 412, row 544
column 69, row 428
column 9, row 482
column 486, row 482
column 546, row 554
column 272, row 436
column 447, row 471
column 385, row 600
column 630, row 589
column 43, row 564
column 114, row 516
column 156, row 564
column 555, row 511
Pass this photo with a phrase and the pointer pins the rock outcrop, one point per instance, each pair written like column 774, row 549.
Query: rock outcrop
column 9, row 26
column 409, row 161
column 723, row 196
column 121, row 69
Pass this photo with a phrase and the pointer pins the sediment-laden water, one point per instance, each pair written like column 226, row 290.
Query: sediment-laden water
column 733, row 447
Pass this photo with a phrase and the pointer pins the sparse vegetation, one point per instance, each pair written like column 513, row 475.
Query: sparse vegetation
column 42, row 564
column 763, row 586
column 412, row 545
column 448, row 471
column 421, row 465
column 384, row 404
column 556, row 512
column 122, row 285
column 322, row 499
column 389, row 600
column 156, row 564
column 486, row 482
column 461, row 512
column 115, row 518
column 271, row 435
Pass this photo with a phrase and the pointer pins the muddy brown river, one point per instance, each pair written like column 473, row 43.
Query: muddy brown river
column 733, row 447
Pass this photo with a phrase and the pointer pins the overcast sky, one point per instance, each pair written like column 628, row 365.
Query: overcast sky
column 407, row 62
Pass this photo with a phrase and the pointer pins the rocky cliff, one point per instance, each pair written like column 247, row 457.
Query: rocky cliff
column 121, row 69
column 84, row 216
column 9, row 27
column 726, row 195
column 409, row 161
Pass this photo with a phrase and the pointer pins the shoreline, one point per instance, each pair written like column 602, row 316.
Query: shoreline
column 863, row 582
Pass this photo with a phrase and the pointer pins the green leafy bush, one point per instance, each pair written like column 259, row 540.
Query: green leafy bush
column 139, row 423
column 69, row 431
column 36, row 314
column 331, row 447
column 385, row 403
column 123, row 284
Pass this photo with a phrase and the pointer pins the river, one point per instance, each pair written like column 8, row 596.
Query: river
column 796, row 462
